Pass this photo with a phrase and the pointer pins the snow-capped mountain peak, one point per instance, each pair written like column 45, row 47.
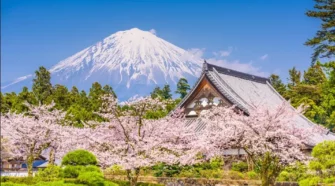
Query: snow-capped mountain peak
column 127, row 59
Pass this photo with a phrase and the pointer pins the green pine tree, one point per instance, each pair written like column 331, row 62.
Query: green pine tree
column 94, row 96
column 156, row 93
column 323, row 41
column 278, row 84
column 109, row 90
column 182, row 87
column 166, row 92
column 61, row 97
column 42, row 87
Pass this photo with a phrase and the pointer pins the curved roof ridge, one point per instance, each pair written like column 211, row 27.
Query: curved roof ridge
column 239, row 74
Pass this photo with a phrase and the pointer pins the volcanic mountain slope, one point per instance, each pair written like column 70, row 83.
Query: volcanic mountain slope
column 133, row 62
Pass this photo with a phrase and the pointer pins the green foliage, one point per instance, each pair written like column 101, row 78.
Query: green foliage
column 71, row 171
column 19, row 180
column 312, row 181
column 322, row 42
column 164, row 170
column 182, row 87
column 79, row 157
column 42, row 87
column 252, row 175
column 51, row 172
column 294, row 173
column 315, row 91
column 240, row 166
column 324, row 159
column 164, row 93
column 278, row 84
column 91, row 178
column 234, row 175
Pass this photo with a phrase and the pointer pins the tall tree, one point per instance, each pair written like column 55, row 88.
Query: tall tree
column 323, row 41
column 42, row 87
column 295, row 78
column 94, row 95
column 156, row 93
column 314, row 75
column 182, row 87
column 278, row 84
column 61, row 97
column 166, row 92
column 109, row 90
column 24, row 97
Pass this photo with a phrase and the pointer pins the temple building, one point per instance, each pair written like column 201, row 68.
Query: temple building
column 221, row 86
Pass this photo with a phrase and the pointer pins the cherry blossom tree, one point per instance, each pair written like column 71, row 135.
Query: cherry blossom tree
column 29, row 134
column 269, row 137
column 130, row 140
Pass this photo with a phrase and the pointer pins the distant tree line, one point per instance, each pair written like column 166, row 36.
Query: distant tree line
column 79, row 105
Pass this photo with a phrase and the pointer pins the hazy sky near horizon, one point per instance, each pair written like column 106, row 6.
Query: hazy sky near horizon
column 265, row 36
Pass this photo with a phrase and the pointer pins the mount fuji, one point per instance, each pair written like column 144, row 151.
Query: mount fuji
column 133, row 62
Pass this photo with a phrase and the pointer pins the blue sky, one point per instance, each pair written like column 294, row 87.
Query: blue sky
column 266, row 36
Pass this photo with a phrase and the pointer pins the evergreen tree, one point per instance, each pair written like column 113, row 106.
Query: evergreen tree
column 109, row 90
column 166, row 92
column 156, row 93
column 5, row 107
column 42, row 87
column 294, row 78
column 94, row 95
column 314, row 75
column 323, row 42
column 328, row 97
column 74, row 95
column 23, row 97
column 61, row 97
column 182, row 87
column 278, row 84
column 8, row 102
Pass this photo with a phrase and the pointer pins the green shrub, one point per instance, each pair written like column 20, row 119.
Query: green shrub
column 19, row 180
column 312, row 181
column 240, row 167
column 12, row 184
column 51, row 172
column 71, row 171
column 91, row 178
column 57, row 183
column 211, row 173
column 162, row 169
column 329, row 180
column 109, row 183
column 79, row 157
column 234, row 175
column 90, row 168
column 252, row 175
column 284, row 176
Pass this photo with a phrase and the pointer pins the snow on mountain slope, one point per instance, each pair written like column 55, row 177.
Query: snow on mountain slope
column 133, row 62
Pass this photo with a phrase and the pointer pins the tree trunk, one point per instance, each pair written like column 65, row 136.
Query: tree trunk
column 30, row 161
column 52, row 157
column 269, row 170
column 132, row 176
